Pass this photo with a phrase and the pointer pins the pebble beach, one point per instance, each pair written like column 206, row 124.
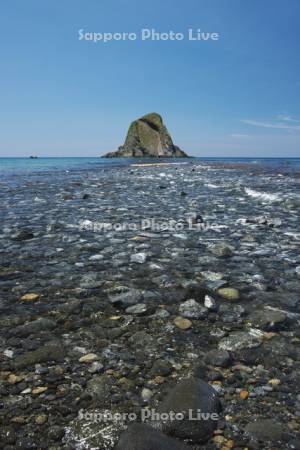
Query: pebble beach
column 139, row 287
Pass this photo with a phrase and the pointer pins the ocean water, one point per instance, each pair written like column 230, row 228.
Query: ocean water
column 69, row 264
column 15, row 166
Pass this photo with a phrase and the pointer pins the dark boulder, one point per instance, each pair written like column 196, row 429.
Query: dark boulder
column 142, row 437
column 188, row 398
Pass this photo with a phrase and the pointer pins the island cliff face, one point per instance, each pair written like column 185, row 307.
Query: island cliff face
column 148, row 137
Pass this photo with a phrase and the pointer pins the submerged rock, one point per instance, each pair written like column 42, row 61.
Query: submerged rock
column 161, row 367
column 183, row 324
column 141, row 339
column 23, row 235
column 148, row 136
column 268, row 319
column 94, row 429
column 88, row 358
column 138, row 258
column 209, row 302
column 142, row 437
column 192, row 310
column 138, row 309
column 265, row 430
column 43, row 354
column 221, row 249
column 35, row 326
column 229, row 293
column 99, row 387
column 219, row 358
column 30, row 297
column 127, row 298
column 188, row 397
column 242, row 339
column 231, row 313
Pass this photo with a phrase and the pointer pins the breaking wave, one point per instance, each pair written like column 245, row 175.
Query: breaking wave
column 262, row 195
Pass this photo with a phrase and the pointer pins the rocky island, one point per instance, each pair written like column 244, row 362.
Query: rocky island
column 148, row 137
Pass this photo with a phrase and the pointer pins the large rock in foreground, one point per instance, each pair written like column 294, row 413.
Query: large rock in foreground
column 148, row 137
column 188, row 398
column 142, row 437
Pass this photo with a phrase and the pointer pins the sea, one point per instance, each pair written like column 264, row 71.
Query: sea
column 26, row 166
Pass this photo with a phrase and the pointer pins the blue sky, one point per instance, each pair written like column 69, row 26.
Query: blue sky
column 238, row 96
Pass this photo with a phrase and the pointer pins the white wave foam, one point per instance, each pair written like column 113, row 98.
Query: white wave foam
column 212, row 186
column 294, row 235
column 262, row 195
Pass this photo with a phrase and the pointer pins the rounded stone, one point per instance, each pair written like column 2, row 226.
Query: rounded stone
column 192, row 310
column 139, row 258
column 41, row 419
column 219, row 358
column 137, row 310
column 265, row 430
column 30, row 297
column 146, row 394
column 221, row 249
column 143, row 437
column 161, row 368
column 90, row 357
column 241, row 339
column 229, row 293
column 182, row 323
column 185, row 399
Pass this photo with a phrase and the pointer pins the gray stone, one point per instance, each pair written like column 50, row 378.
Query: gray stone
column 91, row 280
column 35, row 326
column 187, row 397
column 127, row 298
column 99, row 387
column 88, row 431
column 139, row 258
column 231, row 313
column 161, row 314
column 141, row 339
column 138, row 309
column 146, row 394
column 142, row 437
column 192, row 310
column 221, row 249
column 241, row 339
column 95, row 367
column 267, row 319
column 23, row 235
column 219, row 358
column 210, row 303
column 215, row 285
column 161, row 367
column 71, row 307
column 43, row 354
column 266, row 430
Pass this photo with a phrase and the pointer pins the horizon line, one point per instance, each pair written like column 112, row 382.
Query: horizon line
column 153, row 157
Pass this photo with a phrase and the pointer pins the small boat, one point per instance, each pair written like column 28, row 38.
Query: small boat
column 33, row 157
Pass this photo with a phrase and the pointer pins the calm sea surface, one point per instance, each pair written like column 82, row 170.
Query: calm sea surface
column 27, row 165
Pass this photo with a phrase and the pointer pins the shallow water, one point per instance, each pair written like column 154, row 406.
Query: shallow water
column 104, row 239
column 9, row 166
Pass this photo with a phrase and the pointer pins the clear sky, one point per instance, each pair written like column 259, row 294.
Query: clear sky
column 238, row 96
